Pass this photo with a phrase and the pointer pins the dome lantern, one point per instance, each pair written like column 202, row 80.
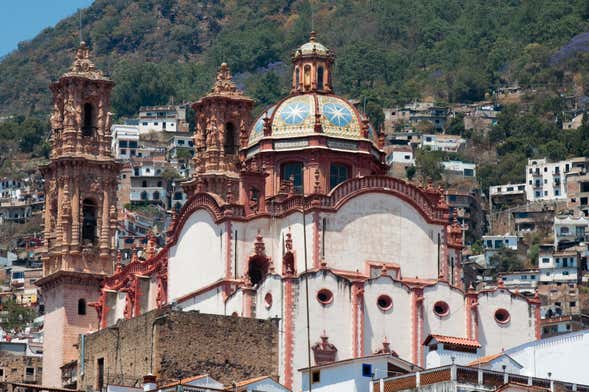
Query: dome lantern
column 312, row 67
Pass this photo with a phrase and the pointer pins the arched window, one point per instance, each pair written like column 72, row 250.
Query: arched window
column 294, row 170
column 143, row 195
column 89, row 220
column 338, row 173
column 320, row 78
column 156, row 195
column 307, row 76
column 178, row 196
column 229, row 145
column 297, row 77
column 89, row 120
column 159, row 184
column 144, row 184
column 257, row 269
column 81, row 306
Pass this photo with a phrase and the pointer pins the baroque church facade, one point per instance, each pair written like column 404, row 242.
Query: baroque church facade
column 295, row 202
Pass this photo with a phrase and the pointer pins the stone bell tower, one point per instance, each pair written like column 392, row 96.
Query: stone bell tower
column 80, row 214
column 223, row 118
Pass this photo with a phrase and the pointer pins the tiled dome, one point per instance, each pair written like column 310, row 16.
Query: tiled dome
column 295, row 117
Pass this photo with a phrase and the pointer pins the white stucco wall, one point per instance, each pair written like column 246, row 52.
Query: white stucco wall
column 382, row 228
column 394, row 323
column 198, row 258
column 564, row 356
column 452, row 324
column 335, row 319
column 494, row 336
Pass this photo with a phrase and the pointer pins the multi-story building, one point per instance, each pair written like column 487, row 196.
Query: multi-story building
column 414, row 113
column 577, row 185
column 502, row 196
column 467, row 209
column 147, row 181
column 561, row 267
column 546, row 180
column 171, row 118
column 525, row 281
column 125, row 141
column 570, row 230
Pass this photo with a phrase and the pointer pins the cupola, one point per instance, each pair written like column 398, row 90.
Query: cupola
column 312, row 67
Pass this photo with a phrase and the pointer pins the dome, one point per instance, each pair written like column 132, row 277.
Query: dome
column 312, row 47
column 295, row 117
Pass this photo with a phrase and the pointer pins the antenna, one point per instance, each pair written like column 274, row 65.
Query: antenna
column 312, row 22
column 80, row 14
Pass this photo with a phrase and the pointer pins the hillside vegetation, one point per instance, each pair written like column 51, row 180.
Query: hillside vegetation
column 388, row 52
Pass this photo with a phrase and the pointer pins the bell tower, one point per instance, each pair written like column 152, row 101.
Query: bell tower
column 80, row 213
column 223, row 118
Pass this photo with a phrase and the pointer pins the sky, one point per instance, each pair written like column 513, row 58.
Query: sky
column 22, row 20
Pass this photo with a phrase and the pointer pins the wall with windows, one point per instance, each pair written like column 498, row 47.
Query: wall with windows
column 546, row 180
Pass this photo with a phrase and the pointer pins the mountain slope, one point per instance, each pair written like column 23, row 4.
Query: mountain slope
column 388, row 51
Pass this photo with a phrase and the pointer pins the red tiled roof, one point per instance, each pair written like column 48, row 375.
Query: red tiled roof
column 486, row 359
column 243, row 383
column 464, row 342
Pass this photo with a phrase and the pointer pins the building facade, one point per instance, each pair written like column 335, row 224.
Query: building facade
column 80, row 212
column 295, row 208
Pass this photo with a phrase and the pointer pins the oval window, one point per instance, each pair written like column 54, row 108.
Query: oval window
column 384, row 302
column 441, row 309
column 502, row 316
column 324, row 296
column 268, row 301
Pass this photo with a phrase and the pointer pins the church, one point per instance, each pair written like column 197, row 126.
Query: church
column 290, row 216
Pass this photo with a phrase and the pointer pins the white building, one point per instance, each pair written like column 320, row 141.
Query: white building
column 460, row 168
column 507, row 189
column 562, row 356
column 439, row 142
column 353, row 374
column 558, row 267
column 525, row 281
column 570, row 229
column 546, row 180
column 494, row 243
column 401, row 155
column 162, row 118
column 125, row 141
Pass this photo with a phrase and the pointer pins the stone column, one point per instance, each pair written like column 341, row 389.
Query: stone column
column 76, row 211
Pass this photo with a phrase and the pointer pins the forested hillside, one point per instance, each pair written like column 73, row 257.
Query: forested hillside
column 388, row 51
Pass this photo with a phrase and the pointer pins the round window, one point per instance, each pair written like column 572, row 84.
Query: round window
column 441, row 309
column 384, row 302
column 502, row 316
column 324, row 296
column 268, row 301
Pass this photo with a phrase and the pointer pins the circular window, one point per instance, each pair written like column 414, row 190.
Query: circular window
column 384, row 302
column 324, row 296
column 441, row 309
column 502, row 316
column 268, row 301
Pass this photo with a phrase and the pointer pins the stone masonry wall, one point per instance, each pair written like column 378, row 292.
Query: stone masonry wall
column 13, row 368
column 184, row 344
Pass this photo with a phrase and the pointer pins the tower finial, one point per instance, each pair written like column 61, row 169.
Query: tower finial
column 313, row 36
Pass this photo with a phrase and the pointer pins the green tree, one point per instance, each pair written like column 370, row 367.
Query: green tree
column 15, row 317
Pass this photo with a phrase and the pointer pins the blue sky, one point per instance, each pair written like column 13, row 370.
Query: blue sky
column 22, row 20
